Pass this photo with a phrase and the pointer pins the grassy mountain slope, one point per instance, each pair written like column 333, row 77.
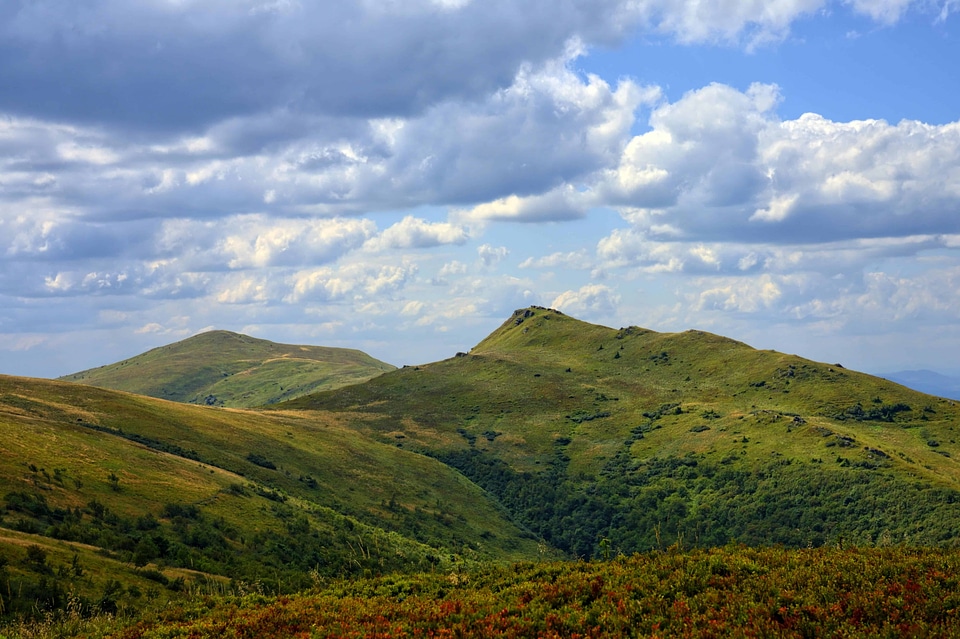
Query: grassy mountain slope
column 228, row 369
column 589, row 433
column 226, row 492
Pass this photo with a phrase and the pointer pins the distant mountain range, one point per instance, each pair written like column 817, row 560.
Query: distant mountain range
column 927, row 382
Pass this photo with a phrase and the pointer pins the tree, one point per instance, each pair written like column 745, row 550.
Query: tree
column 145, row 550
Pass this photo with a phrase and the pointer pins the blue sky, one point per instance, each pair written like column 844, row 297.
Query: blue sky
column 843, row 67
column 399, row 176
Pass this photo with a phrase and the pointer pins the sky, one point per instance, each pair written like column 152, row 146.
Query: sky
column 398, row 176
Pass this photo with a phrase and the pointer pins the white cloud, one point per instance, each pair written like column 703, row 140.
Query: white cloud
column 244, row 290
column 758, row 23
column 452, row 268
column 719, row 165
column 323, row 284
column 572, row 259
column 334, row 58
column 885, row 298
column 564, row 203
column 884, row 11
column 730, row 20
column 389, row 279
column 73, row 152
column 152, row 327
column 545, row 128
column 742, row 295
column 632, row 248
column 358, row 281
column 22, row 342
column 777, row 210
column 153, row 179
column 258, row 241
column 412, row 308
column 490, row 256
column 592, row 300
column 412, row 232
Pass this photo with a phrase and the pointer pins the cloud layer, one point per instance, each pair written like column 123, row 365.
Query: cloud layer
column 343, row 171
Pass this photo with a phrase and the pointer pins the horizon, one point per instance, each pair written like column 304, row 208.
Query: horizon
column 951, row 376
column 398, row 178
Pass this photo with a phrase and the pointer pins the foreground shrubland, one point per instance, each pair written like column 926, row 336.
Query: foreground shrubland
column 728, row 592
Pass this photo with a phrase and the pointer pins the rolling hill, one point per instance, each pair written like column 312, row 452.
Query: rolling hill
column 220, row 368
column 590, row 435
column 552, row 437
column 159, row 488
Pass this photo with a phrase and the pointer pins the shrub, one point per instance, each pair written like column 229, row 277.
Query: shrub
column 260, row 460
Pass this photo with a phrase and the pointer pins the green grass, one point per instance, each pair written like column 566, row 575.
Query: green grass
column 602, row 417
column 275, row 495
column 517, row 383
column 550, row 435
column 227, row 369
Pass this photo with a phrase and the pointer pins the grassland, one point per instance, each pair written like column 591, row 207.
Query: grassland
column 220, row 368
column 551, row 438
column 587, row 433
column 228, row 493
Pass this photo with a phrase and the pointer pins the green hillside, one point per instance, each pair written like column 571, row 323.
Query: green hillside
column 160, row 487
column 551, row 438
column 220, row 368
column 630, row 438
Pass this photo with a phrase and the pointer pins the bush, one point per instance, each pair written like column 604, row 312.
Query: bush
column 260, row 460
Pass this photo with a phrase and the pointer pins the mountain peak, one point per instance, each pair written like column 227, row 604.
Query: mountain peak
column 224, row 368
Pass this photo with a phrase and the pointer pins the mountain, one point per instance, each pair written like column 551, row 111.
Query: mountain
column 220, row 368
column 551, row 437
column 172, row 491
column 626, row 437
column 928, row 382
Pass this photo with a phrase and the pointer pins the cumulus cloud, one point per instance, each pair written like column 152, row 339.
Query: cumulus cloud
column 742, row 295
column 244, row 289
column 549, row 127
column 256, row 241
column 546, row 128
column 719, row 165
column 592, row 300
column 453, row 268
column 413, row 232
column 854, row 305
column 354, row 281
column 490, row 255
column 564, row 203
column 245, row 162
